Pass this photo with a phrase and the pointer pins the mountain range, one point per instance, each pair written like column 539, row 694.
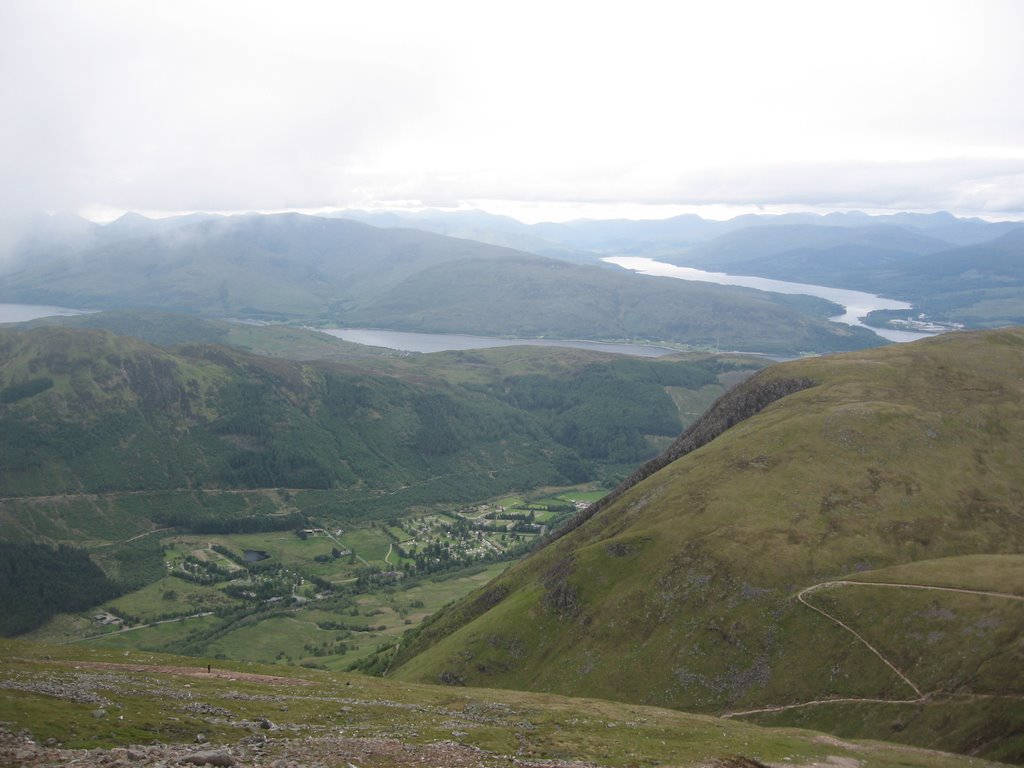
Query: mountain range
column 306, row 269
column 965, row 271
column 652, row 236
column 474, row 272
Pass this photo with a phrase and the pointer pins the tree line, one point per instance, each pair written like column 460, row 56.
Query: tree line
column 37, row 582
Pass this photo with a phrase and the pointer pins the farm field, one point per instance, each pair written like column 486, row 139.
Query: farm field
column 318, row 596
column 333, row 633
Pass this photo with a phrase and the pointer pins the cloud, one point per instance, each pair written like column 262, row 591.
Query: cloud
column 258, row 105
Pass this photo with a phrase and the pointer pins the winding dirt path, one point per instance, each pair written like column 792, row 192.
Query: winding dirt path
column 921, row 695
column 802, row 597
column 847, row 583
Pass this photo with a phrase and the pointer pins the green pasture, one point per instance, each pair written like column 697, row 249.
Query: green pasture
column 371, row 544
column 172, row 595
column 154, row 637
column 438, row 592
column 280, row 638
column 283, row 547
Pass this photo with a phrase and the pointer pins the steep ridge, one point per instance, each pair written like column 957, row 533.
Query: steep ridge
column 684, row 590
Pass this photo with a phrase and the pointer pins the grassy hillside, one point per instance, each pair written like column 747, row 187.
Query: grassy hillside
column 953, row 628
column 307, row 269
column 689, row 588
column 105, row 439
column 537, row 298
column 63, row 706
column 97, row 429
column 166, row 329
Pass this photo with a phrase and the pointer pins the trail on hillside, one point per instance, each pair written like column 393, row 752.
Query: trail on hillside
column 922, row 696
column 847, row 583
column 127, row 541
column 801, row 596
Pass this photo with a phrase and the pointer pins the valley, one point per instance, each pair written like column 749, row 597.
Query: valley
column 310, row 270
column 830, row 543
column 512, row 385
column 321, row 597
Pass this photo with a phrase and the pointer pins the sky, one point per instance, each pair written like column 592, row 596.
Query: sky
column 541, row 110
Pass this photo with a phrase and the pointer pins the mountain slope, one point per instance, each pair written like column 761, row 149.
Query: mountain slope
column 848, row 257
column 731, row 251
column 87, row 412
column 683, row 590
column 288, row 264
column 981, row 285
column 548, row 298
column 978, row 284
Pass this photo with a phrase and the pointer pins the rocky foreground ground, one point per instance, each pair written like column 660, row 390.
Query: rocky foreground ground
column 259, row 752
column 92, row 707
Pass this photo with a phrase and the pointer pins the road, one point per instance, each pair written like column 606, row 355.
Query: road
column 137, row 626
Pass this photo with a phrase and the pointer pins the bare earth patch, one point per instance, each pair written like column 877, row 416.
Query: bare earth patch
column 227, row 674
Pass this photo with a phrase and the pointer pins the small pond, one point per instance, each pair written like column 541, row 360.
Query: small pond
column 255, row 555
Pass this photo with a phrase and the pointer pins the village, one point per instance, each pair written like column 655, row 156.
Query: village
column 322, row 559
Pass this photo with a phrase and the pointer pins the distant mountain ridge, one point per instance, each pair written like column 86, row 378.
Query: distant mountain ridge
column 311, row 270
column 448, row 271
column 642, row 236
column 854, row 250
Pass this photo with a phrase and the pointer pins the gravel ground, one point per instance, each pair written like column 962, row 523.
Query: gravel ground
column 326, row 752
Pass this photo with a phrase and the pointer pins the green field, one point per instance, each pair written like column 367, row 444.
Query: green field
column 162, row 614
column 158, row 612
column 171, row 595
column 370, row 544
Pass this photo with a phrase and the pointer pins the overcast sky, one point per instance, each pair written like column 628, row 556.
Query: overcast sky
column 544, row 110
